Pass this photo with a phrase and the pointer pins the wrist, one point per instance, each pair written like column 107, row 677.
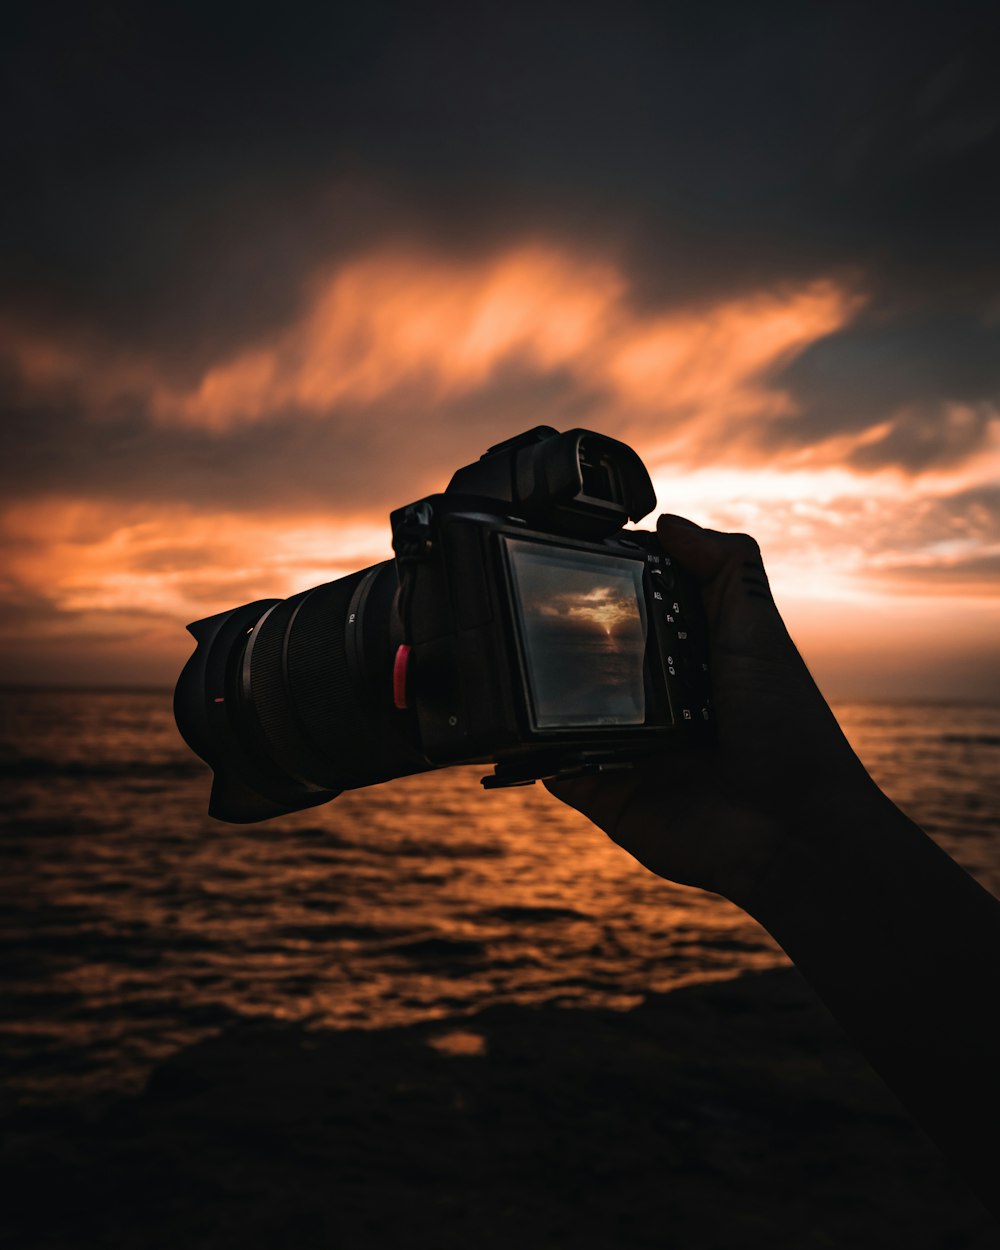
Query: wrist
column 821, row 855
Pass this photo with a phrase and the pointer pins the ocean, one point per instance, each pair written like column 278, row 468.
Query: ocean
column 133, row 925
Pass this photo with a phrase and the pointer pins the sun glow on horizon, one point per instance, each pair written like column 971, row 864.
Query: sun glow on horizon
column 398, row 341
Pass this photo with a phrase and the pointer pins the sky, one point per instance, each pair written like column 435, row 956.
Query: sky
column 268, row 272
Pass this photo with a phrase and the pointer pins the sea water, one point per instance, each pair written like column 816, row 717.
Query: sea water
column 133, row 924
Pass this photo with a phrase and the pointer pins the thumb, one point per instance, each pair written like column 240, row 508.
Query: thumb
column 703, row 552
column 742, row 616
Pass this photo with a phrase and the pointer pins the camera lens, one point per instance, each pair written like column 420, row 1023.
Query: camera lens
column 307, row 707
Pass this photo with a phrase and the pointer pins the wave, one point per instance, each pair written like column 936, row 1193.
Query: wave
column 336, row 932
column 30, row 767
column 527, row 914
column 439, row 949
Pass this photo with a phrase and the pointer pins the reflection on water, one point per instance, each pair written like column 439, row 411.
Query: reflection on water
column 133, row 924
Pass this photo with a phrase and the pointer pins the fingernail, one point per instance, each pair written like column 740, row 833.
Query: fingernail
column 668, row 518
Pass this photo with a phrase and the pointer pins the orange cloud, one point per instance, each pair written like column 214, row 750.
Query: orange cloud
column 173, row 563
column 401, row 321
column 691, row 388
column 394, row 321
column 828, row 531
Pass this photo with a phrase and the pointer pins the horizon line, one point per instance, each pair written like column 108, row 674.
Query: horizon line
column 11, row 687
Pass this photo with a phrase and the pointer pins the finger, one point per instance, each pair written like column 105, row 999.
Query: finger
column 600, row 799
column 705, row 552
column 743, row 618
column 603, row 798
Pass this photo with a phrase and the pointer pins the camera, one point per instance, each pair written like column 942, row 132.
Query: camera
column 520, row 625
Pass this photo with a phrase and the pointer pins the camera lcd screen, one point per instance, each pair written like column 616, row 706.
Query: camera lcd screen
column 582, row 622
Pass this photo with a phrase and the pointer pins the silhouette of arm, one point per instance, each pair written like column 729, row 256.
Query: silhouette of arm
column 781, row 818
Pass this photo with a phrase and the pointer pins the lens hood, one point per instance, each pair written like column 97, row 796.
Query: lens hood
column 204, row 697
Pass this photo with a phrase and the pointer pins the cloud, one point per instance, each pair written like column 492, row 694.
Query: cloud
column 398, row 322
column 81, row 577
column 170, row 561
column 927, row 388
column 176, row 179
column 973, row 573
column 402, row 366
column 265, row 277
column 834, row 534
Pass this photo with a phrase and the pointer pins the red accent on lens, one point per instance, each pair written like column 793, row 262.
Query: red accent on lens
column 399, row 668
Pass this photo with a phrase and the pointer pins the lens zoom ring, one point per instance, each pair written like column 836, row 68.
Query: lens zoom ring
column 269, row 696
column 324, row 691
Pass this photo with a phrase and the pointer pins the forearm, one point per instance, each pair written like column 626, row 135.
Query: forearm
column 903, row 946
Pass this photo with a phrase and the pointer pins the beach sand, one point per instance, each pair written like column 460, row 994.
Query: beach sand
column 730, row 1114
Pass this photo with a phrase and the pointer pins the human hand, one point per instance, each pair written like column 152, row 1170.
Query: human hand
column 718, row 816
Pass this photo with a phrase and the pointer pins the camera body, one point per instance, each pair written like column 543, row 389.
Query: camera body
column 536, row 632
column 520, row 624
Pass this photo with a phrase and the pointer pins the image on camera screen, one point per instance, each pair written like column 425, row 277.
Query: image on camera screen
column 582, row 619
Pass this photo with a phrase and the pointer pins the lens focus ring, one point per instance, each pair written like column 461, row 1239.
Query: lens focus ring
column 310, row 704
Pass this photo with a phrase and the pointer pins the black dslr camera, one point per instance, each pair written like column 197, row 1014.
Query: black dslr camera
column 519, row 625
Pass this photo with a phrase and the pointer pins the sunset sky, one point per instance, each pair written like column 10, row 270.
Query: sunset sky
column 269, row 273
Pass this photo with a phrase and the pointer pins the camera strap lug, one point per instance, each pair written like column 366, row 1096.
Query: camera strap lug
column 412, row 534
column 413, row 542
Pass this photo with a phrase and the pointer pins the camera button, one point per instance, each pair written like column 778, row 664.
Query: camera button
column 400, row 667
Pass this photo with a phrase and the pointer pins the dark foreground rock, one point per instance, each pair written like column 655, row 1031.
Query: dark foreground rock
column 728, row 1116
